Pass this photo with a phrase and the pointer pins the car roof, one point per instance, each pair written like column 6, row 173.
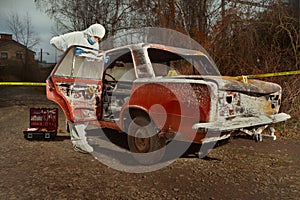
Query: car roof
column 177, row 50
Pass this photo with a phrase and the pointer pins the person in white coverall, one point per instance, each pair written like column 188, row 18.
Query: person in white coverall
column 88, row 38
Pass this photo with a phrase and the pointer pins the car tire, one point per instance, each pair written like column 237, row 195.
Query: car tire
column 144, row 142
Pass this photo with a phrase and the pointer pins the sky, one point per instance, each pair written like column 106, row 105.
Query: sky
column 42, row 25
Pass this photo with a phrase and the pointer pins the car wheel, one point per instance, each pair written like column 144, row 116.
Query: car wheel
column 144, row 142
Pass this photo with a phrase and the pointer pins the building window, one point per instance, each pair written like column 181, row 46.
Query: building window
column 4, row 56
column 19, row 55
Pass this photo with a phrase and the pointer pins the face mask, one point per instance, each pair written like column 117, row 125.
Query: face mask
column 91, row 40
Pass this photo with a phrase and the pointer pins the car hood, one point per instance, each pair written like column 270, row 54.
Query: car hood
column 237, row 84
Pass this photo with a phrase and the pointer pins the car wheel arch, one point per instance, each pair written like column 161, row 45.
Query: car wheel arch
column 130, row 113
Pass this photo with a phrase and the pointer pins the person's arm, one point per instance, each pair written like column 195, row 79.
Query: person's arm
column 62, row 42
column 59, row 43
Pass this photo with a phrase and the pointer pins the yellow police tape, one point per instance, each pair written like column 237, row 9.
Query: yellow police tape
column 91, row 90
column 246, row 77
column 22, row 84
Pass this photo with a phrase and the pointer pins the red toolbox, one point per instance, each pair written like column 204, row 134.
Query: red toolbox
column 43, row 123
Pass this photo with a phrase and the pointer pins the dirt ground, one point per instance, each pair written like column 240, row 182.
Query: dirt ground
column 242, row 169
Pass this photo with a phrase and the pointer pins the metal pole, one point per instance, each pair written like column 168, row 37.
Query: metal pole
column 41, row 56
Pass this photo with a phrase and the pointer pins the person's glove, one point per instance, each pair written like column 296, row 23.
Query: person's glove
column 107, row 59
column 79, row 51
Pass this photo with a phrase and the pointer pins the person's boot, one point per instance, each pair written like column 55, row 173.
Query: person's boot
column 78, row 138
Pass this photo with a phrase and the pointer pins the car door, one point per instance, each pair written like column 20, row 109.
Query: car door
column 76, row 85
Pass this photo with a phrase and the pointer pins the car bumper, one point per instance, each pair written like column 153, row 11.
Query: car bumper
column 242, row 122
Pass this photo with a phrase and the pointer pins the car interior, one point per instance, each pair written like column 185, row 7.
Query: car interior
column 117, row 83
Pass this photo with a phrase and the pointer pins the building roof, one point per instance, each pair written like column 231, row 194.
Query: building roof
column 6, row 39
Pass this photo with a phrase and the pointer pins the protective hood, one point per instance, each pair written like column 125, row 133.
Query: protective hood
column 95, row 30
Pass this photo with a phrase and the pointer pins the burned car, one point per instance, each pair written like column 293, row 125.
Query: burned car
column 157, row 93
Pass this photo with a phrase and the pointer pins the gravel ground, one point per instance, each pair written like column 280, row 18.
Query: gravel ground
column 242, row 169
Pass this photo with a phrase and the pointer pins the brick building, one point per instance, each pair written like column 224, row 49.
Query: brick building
column 16, row 60
column 12, row 51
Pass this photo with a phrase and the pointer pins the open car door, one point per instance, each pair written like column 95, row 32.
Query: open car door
column 75, row 84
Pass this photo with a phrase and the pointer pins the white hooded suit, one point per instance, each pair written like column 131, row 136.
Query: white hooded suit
column 63, row 42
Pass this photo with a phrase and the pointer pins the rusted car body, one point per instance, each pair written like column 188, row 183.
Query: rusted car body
column 178, row 91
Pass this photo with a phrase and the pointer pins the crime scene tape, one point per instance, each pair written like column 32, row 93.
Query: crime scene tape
column 243, row 77
column 246, row 77
column 22, row 84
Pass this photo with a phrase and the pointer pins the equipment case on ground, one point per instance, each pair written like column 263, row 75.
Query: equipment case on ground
column 43, row 123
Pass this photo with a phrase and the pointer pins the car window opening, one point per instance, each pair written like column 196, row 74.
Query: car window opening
column 117, row 82
column 87, row 65
column 191, row 64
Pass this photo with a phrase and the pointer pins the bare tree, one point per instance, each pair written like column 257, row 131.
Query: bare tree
column 78, row 15
column 23, row 30
column 119, row 15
